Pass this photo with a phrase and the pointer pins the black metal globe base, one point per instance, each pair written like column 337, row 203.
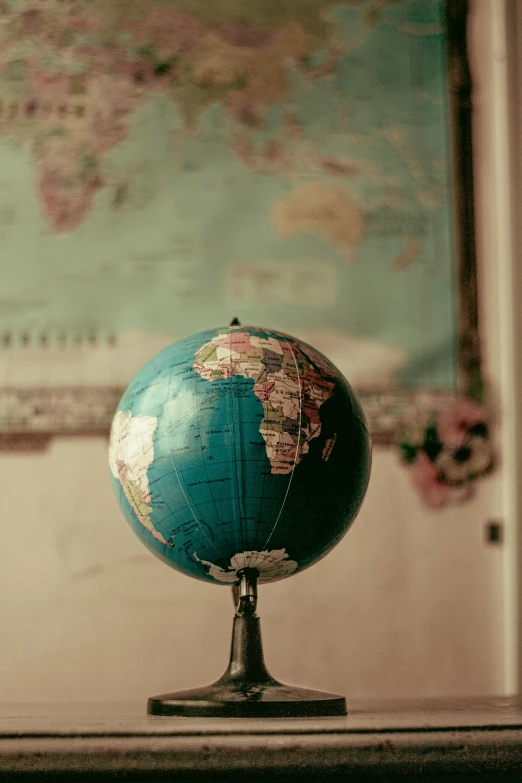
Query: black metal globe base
column 246, row 689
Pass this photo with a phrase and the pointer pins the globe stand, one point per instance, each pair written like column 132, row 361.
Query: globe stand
column 246, row 689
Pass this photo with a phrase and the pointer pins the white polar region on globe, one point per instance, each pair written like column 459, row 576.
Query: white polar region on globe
column 272, row 565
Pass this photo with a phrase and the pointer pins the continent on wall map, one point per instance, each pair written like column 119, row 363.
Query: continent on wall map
column 329, row 212
column 289, row 386
column 165, row 164
column 131, row 453
column 72, row 76
column 271, row 565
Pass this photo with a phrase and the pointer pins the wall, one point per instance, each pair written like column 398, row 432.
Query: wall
column 494, row 30
column 410, row 603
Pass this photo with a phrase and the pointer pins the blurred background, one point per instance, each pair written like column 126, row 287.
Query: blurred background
column 420, row 597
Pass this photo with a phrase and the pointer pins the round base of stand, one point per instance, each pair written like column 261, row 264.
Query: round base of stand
column 227, row 700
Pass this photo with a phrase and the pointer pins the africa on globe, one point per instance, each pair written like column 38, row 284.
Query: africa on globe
column 239, row 448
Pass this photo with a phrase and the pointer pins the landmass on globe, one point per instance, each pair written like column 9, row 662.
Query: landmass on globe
column 271, row 565
column 291, row 385
column 131, row 453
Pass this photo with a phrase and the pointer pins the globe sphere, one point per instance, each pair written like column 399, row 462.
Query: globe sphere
column 238, row 448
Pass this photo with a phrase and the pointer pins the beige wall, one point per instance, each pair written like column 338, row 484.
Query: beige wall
column 407, row 604
column 411, row 602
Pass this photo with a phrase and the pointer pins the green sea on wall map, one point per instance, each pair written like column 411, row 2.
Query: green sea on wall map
column 166, row 165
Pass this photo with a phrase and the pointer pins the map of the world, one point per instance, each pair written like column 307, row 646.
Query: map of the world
column 166, row 165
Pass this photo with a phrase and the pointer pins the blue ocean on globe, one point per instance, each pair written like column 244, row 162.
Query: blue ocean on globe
column 237, row 448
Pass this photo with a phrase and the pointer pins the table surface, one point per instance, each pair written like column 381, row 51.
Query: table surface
column 414, row 737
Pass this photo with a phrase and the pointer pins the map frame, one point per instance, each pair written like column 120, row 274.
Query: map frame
column 31, row 417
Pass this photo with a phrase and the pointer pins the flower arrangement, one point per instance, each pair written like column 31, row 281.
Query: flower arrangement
column 449, row 453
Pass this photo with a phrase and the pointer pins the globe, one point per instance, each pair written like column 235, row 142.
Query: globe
column 239, row 448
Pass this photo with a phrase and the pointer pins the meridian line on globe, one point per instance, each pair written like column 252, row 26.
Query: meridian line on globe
column 262, row 359
column 237, row 501
column 296, row 451
column 198, row 523
column 171, row 514
column 218, row 515
column 263, row 477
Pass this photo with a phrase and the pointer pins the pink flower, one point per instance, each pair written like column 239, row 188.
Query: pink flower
column 426, row 478
column 474, row 458
column 453, row 425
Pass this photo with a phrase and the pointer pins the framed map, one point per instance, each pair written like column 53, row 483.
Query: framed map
column 167, row 165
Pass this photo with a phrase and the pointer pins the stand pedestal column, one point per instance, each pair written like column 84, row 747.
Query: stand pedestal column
column 246, row 689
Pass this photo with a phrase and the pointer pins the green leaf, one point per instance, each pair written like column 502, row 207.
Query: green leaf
column 408, row 451
column 432, row 445
column 481, row 428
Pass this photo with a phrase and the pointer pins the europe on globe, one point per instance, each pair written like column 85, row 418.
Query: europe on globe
column 239, row 448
